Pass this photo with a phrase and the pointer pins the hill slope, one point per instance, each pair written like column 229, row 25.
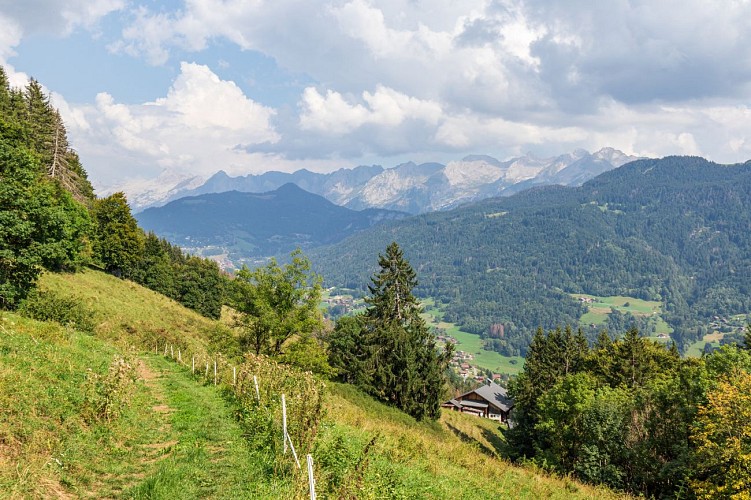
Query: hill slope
column 258, row 225
column 177, row 436
column 676, row 230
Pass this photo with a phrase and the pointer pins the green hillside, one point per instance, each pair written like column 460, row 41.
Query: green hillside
column 104, row 416
column 673, row 231
column 257, row 225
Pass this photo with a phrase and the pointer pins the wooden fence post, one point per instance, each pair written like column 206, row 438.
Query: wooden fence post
column 214, row 371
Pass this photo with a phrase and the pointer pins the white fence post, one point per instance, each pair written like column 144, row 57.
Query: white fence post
column 288, row 439
column 258, row 394
column 311, row 479
column 214, row 371
column 193, row 366
column 284, row 422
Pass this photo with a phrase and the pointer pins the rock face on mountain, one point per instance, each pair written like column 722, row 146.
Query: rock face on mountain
column 414, row 188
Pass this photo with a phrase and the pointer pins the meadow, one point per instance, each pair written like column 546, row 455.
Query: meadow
column 601, row 307
column 469, row 342
column 103, row 415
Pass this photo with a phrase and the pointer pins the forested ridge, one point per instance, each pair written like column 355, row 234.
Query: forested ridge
column 51, row 220
column 675, row 230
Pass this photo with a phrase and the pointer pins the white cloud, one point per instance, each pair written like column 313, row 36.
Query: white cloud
column 385, row 107
column 196, row 127
column 10, row 36
column 57, row 17
column 429, row 78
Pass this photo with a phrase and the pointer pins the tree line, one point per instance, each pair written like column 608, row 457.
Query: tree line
column 673, row 230
column 50, row 218
column 633, row 415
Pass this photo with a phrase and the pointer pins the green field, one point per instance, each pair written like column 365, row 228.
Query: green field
column 469, row 342
column 600, row 308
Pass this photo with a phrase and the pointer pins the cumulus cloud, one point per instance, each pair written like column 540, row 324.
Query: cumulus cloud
column 430, row 77
column 57, row 17
column 195, row 127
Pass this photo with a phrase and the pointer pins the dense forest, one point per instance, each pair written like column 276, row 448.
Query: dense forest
column 632, row 414
column 675, row 230
column 50, row 218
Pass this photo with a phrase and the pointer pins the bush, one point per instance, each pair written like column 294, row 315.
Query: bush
column 262, row 420
column 67, row 311
column 106, row 396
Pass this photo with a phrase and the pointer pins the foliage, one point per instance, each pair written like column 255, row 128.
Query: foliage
column 722, row 437
column 40, row 225
column 45, row 305
column 346, row 350
column 262, row 416
column 275, row 303
column 635, row 416
column 118, row 242
column 196, row 283
column 105, row 397
column 389, row 351
column 551, row 357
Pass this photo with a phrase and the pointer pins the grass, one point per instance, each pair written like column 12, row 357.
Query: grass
column 469, row 342
column 455, row 457
column 180, row 438
column 175, row 438
column 128, row 313
column 601, row 307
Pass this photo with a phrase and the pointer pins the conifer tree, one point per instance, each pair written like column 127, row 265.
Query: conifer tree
column 402, row 366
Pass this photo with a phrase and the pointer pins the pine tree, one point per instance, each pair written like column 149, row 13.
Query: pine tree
column 402, row 365
column 747, row 338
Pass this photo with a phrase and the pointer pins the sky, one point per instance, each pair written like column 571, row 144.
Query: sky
column 178, row 87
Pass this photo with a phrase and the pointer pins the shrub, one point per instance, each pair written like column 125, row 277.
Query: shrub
column 262, row 419
column 106, row 396
column 67, row 311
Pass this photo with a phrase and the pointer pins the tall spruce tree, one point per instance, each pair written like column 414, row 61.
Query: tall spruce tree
column 402, row 364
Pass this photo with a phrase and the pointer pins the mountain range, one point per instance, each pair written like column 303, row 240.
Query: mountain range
column 676, row 231
column 409, row 187
column 256, row 225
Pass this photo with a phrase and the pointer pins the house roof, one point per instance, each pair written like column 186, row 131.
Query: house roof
column 453, row 402
column 473, row 404
column 493, row 394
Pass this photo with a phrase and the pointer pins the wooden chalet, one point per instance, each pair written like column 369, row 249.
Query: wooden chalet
column 490, row 400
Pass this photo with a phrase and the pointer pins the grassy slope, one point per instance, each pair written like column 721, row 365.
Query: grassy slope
column 469, row 342
column 456, row 457
column 600, row 308
column 179, row 439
